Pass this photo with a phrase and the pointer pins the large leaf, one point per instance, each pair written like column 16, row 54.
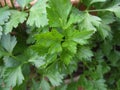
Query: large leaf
column 13, row 76
column 38, row 15
column 58, row 12
column 16, row 18
column 115, row 8
column 89, row 22
column 8, row 42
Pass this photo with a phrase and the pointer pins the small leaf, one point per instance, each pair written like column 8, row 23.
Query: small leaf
column 38, row 61
column 35, row 85
column 62, row 87
column 84, row 53
column 2, row 52
column 118, row 84
column 44, row 85
column 55, row 78
column 81, row 37
column 75, row 17
column 10, row 62
column 55, row 48
column 104, row 30
column 38, row 15
column 0, row 32
column 16, row 18
column 8, row 42
column 66, row 56
column 15, row 75
column 70, row 46
column 4, row 15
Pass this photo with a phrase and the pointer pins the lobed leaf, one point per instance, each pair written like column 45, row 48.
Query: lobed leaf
column 16, row 18
column 58, row 12
column 23, row 3
column 89, row 22
column 38, row 14
column 8, row 42
column 15, row 75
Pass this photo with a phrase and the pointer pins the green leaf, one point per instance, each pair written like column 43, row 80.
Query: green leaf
column 62, row 87
column 44, row 85
column 95, row 1
column 107, row 18
column 0, row 32
column 10, row 62
column 23, row 3
column 104, row 30
column 55, row 78
column 2, row 52
column 35, row 85
column 70, row 46
column 114, row 58
column 100, row 85
column 38, row 15
column 75, row 17
column 84, row 53
column 8, row 42
column 38, row 61
column 15, row 75
column 49, row 41
column 106, row 47
column 16, row 18
column 81, row 37
column 118, row 84
column 89, row 22
column 4, row 15
column 66, row 56
column 72, row 86
column 92, row 84
column 115, row 8
column 58, row 12
column 55, row 48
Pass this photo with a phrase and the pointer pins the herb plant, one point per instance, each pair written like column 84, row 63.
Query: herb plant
column 44, row 44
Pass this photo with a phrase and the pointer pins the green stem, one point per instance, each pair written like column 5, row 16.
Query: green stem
column 97, row 10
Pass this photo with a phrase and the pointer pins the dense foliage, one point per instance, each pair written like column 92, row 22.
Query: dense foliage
column 43, row 44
